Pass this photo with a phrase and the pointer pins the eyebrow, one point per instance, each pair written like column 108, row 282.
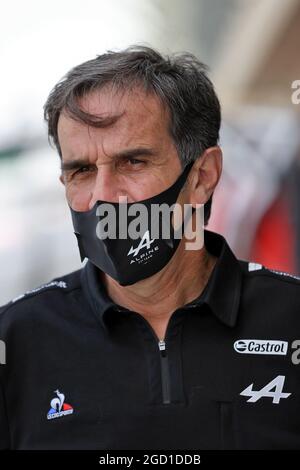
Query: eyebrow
column 129, row 153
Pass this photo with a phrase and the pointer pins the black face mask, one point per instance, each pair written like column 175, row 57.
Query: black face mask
column 128, row 260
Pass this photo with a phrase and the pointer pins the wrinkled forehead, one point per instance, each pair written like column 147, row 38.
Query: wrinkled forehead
column 110, row 101
column 123, row 118
column 127, row 113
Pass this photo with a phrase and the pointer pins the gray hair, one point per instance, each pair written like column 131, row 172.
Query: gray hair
column 180, row 81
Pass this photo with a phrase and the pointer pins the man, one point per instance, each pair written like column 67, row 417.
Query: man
column 150, row 345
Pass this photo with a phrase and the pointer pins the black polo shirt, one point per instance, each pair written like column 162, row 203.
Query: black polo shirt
column 83, row 373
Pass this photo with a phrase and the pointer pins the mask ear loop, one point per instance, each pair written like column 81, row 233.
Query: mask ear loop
column 176, row 234
column 81, row 249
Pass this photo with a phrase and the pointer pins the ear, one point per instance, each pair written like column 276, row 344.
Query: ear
column 205, row 175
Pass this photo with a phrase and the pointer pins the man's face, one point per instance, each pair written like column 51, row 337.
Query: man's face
column 133, row 157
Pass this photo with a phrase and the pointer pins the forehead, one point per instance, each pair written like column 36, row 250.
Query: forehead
column 140, row 118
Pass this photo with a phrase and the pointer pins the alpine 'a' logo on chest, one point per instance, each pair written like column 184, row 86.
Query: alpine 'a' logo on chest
column 273, row 389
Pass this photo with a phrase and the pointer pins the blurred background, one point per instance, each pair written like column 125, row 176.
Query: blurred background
column 251, row 48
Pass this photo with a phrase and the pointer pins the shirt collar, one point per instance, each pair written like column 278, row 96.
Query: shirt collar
column 223, row 291
column 221, row 294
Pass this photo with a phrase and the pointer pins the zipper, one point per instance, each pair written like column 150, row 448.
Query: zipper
column 165, row 378
column 164, row 363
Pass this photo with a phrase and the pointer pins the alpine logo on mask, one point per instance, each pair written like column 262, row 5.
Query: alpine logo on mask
column 144, row 243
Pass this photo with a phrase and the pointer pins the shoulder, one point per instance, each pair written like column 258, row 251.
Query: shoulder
column 40, row 299
column 271, row 288
column 260, row 273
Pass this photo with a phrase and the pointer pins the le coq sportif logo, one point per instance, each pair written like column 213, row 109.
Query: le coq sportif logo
column 58, row 407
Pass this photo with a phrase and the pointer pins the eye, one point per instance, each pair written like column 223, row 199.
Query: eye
column 83, row 169
column 130, row 162
column 134, row 161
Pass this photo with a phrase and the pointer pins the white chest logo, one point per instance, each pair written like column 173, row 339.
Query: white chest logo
column 259, row 346
column 273, row 389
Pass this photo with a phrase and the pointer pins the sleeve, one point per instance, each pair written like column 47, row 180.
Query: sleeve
column 4, row 430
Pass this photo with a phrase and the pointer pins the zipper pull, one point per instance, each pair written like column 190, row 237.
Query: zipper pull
column 162, row 347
